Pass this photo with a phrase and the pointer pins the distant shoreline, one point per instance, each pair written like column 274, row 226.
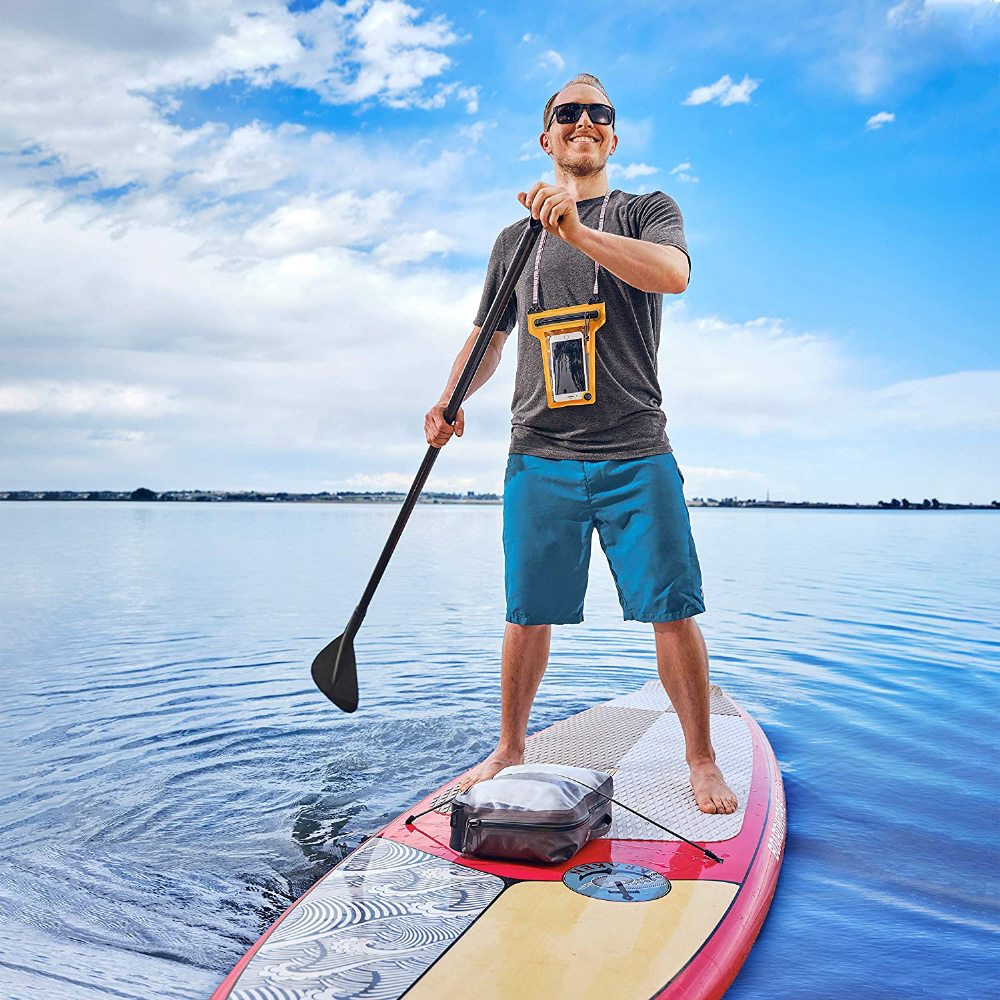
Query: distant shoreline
column 143, row 495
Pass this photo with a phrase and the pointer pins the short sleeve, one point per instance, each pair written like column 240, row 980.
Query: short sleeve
column 494, row 278
column 660, row 221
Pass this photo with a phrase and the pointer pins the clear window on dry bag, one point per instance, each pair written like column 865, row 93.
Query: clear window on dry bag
column 568, row 341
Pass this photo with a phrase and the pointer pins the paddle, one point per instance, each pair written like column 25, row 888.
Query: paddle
column 334, row 670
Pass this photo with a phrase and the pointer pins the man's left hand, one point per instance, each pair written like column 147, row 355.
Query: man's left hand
column 554, row 207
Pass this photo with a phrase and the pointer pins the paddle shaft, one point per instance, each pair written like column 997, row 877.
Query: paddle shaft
column 482, row 345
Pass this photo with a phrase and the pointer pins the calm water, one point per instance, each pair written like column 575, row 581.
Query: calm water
column 171, row 780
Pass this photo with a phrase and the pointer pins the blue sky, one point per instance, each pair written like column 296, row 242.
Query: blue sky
column 249, row 237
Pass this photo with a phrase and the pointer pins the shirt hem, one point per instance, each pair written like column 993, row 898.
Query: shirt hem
column 616, row 455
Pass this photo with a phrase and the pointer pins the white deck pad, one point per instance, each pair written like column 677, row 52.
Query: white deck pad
column 653, row 778
column 598, row 737
column 651, row 696
column 638, row 738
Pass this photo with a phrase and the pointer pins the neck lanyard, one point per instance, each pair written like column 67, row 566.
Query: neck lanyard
column 541, row 244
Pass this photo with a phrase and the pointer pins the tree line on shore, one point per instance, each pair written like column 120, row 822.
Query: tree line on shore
column 390, row 496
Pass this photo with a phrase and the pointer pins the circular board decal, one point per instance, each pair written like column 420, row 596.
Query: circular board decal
column 617, row 881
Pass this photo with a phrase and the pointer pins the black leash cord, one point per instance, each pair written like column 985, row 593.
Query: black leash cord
column 660, row 826
column 409, row 819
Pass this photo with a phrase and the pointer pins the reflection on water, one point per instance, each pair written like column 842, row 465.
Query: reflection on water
column 172, row 780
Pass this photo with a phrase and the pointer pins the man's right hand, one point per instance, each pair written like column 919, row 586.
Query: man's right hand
column 437, row 431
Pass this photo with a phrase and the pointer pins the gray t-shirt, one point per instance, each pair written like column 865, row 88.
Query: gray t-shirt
column 625, row 421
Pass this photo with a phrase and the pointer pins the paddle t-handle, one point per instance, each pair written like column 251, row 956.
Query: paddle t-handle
column 334, row 669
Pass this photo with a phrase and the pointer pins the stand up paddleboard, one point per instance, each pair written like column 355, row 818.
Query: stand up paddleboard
column 634, row 914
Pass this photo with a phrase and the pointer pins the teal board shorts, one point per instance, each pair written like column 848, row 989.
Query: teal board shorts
column 550, row 510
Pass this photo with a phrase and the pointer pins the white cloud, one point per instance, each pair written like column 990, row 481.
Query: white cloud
column 95, row 86
column 631, row 170
column 554, row 59
column 750, row 378
column 961, row 400
column 757, row 378
column 682, row 173
column 413, row 247
column 345, row 178
column 869, row 52
column 531, row 151
column 475, row 132
column 250, row 158
column 882, row 118
column 309, row 222
column 118, row 437
column 724, row 92
column 395, row 53
column 74, row 398
column 163, row 361
column 471, row 97
column 145, row 326
column 918, row 12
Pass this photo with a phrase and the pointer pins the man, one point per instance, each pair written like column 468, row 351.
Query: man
column 607, row 465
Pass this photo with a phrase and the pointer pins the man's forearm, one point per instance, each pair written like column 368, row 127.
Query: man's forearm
column 486, row 367
column 650, row 267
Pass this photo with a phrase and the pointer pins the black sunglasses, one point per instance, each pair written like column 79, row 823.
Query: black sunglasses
column 567, row 114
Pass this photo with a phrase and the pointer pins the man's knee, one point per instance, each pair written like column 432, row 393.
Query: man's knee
column 679, row 626
column 526, row 631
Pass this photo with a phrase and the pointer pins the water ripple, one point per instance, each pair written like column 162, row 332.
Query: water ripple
column 172, row 780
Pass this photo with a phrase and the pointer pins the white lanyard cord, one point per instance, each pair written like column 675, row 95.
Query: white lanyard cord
column 541, row 243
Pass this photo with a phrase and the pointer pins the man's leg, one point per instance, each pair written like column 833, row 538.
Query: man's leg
column 683, row 664
column 523, row 661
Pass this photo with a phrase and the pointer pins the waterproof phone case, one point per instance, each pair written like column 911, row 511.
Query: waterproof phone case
column 568, row 339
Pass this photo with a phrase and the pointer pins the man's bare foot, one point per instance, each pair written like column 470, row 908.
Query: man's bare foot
column 496, row 762
column 711, row 792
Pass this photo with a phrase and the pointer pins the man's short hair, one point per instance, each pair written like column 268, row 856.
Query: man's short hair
column 590, row 81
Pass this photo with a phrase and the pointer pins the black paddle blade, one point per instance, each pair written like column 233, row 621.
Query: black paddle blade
column 336, row 674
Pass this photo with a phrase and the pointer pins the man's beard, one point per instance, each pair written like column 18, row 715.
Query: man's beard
column 583, row 167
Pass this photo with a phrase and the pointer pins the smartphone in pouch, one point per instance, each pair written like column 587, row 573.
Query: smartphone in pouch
column 568, row 367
